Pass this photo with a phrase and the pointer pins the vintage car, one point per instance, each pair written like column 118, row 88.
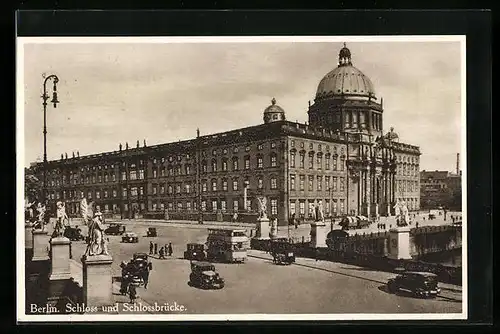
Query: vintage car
column 73, row 233
column 115, row 229
column 130, row 237
column 282, row 252
column 195, row 252
column 420, row 284
column 151, row 232
column 203, row 275
column 136, row 267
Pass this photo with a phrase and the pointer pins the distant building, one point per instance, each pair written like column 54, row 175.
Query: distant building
column 440, row 188
column 341, row 159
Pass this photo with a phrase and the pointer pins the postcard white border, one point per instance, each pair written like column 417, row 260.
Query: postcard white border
column 23, row 317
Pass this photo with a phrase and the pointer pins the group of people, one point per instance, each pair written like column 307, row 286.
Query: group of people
column 131, row 278
column 167, row 250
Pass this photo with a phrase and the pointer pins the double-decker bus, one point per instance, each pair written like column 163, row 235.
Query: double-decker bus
column 227, row 245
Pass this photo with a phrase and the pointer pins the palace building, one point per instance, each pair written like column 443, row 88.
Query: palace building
column 342, row 158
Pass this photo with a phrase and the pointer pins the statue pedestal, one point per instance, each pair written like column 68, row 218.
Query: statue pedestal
column 40, row 243
column 28, row 235
column 60, row 258
column 319, row 232
column 97, row 280
column 399, row 243
column 262, row 228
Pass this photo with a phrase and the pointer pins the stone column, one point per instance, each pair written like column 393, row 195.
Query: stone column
column 399, row 243
column 388, row 193
column 40, row 246
column 366, row 194
column 97, row 280
column 60, row 257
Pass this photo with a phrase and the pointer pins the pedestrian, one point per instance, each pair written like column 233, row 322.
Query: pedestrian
column 416, row 224
column 145, row 277
column 162, row 253
column 132, row 293
column 170, row 250
column 165, row 248
column 156, row 248
column 151, row 246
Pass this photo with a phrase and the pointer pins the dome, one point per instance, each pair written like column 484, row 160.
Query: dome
column 274, row 113
column 345, row 80
column 273, row 108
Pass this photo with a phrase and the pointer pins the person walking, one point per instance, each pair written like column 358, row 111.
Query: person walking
column 170, row 250
column 132, row 293
column 145, row 276
column 165, row 249
column 156, row 248
column 151, row 246
column 162, row 253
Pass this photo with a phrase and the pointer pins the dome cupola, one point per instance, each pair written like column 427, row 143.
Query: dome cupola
column 274, row 113
column 345, row 81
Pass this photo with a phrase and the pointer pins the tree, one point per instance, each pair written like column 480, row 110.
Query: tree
column 32, row 186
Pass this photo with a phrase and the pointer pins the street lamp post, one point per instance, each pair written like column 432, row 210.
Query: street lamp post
column 54, row 101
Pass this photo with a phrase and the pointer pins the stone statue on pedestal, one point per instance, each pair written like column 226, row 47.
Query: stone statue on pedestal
column 262, row 207
column 62, row 220
column 319, row 215
column 97, row 244
column 40, row 220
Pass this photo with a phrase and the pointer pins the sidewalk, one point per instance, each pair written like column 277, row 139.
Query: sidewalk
column 449, row 291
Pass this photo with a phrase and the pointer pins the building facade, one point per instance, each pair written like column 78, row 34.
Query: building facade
column 341, row 158
column 441, row 189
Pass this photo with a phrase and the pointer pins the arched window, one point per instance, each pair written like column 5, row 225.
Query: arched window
column 214, row 165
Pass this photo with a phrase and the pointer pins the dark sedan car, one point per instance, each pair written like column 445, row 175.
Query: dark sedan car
column 420, row 284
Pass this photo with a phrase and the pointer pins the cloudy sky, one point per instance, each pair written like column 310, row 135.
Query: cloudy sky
column 117, row 93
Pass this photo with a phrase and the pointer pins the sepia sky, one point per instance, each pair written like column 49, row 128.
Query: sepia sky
column 117, row 93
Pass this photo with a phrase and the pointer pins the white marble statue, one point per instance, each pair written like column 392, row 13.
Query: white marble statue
column 319, row 216
column 40, row 223
column 262, row 206
column 61, row 220
column 97, row 244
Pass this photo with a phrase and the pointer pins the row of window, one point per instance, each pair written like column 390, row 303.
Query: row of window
column 407, row 186
column 408, row 170
column 318, row 148
column 337, row 207
column 213, row 185
column 213, row 205
column 318, row 159
column 330, row 183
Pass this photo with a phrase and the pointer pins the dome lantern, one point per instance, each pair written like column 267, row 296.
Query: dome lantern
column 345, row 56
